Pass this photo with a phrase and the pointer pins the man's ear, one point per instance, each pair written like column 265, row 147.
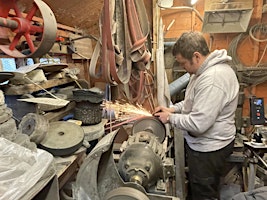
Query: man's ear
column 197, row 55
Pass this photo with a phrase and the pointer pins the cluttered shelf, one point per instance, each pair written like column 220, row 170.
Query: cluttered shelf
column 30, row 87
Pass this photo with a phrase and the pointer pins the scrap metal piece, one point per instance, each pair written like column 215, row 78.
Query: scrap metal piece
column 35, row 126
column 63, row 138
column 152, row 125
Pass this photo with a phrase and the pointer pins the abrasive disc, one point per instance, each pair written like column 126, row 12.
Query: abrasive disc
column 63, row 138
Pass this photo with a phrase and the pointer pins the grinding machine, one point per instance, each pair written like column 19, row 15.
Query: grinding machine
column 141, row 169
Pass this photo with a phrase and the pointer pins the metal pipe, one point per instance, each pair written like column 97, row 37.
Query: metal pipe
column 179, row 84
column 168, row 44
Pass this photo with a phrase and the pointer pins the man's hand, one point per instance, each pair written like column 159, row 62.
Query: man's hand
column 163, row 116
column 163, row 109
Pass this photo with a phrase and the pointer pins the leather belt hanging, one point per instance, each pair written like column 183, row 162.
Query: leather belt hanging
column 108, row 52
column 114, row 67
column 123, row 44
column 139, row 30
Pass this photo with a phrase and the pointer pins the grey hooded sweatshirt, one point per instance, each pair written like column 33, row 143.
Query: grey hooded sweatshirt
column 206, row 115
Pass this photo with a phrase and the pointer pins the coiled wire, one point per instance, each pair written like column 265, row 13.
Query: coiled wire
column 251, row 75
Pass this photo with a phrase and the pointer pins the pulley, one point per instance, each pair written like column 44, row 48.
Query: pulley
column 25, row 29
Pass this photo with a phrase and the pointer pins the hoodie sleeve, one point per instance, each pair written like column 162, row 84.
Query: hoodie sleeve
column 208, row 103
column 178, row 107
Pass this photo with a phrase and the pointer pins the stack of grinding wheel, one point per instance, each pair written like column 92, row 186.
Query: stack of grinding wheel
column 8, row 128
column 88, row 110
column 88, row 105
column 59, row 138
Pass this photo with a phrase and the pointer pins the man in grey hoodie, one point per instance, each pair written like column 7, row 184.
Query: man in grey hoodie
column 206, row 115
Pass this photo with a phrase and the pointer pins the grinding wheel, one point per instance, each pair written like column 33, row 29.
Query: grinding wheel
column 126, row 193
column 63, row 138
column 152, row 125
column 35, row 126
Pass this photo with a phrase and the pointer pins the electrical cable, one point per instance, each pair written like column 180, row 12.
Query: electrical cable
column 182, row 9
column 263, row 30
column 251, row 77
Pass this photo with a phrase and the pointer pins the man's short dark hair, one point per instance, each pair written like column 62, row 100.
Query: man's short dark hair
column 190, row 42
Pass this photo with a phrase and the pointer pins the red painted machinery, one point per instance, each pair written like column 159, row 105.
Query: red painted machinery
column 30, row 34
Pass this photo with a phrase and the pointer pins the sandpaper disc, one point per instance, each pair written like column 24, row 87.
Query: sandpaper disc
column 63, row 138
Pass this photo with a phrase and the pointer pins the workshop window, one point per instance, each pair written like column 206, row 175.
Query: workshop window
column 8, row 64
column 49, row 60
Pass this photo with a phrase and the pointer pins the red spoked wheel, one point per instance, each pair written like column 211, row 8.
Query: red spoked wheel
column 31, row 38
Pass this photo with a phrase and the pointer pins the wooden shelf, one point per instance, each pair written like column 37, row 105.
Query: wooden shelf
column 30, row 88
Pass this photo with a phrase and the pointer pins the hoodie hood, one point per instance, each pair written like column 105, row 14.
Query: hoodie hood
column 216, row 57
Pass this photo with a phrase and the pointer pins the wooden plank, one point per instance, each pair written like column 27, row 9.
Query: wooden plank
column 30, row 88
column 82, row 47
column 59, row 49
column 56, row 116
column 69, row 169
